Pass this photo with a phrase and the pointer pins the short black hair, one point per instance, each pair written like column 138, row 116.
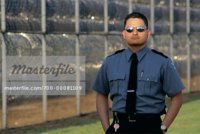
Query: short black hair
column 136, row 15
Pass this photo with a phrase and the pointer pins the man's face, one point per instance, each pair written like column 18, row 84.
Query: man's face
column 135, row 38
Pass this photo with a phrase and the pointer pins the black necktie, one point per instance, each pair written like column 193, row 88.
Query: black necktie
column 132, row 86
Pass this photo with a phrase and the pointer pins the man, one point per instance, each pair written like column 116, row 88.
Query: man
column 137, row 79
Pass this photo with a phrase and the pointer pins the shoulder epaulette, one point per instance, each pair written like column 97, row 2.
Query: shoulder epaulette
column 159, row 53
column 118, row 51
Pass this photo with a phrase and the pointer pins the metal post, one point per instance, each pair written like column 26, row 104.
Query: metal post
column 77, row 16
column 43, row 29
column 188, row 16
column 130, row 7
column 152, row 17
column 105, row 45
column 106, row 16
column 44, row 92
column 188, row 45
column 4, row 93
column 43, row 16
column 3, row 18
column 106, row 27
column 171, row 17
column 77, row 29
column 78, row 76
column 188, row 64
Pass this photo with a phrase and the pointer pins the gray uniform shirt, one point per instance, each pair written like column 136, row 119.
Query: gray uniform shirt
column 157, row 77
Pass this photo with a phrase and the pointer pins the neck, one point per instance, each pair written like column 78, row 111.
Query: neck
column 135, row 48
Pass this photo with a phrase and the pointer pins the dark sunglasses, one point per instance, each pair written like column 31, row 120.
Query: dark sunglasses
column 130, row 29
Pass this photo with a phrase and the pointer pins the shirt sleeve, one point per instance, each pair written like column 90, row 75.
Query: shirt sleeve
column 101, row 84
column 172, row 83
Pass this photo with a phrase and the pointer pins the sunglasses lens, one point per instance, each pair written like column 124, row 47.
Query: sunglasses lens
column 140, row 29
column 129, row 29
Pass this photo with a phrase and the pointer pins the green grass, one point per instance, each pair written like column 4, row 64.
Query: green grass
column 94, row 128
column 187, row 122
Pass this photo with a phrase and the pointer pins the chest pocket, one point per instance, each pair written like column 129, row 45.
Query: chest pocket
column 117, row 84
column 149, row 85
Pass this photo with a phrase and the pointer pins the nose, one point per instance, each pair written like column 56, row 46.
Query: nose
column 135, row 31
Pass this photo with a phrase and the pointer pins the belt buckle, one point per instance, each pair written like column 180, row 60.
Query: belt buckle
column 131, row 119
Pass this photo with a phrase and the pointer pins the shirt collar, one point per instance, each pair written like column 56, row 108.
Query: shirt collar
column 140, row 54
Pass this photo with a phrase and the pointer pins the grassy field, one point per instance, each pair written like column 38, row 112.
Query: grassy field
column 187, row 122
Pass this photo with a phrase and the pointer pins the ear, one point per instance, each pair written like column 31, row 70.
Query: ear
column 149, row 34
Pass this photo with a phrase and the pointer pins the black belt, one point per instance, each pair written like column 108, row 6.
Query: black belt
column 137, row 116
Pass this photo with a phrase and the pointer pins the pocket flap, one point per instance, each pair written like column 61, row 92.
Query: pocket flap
column 117, row 76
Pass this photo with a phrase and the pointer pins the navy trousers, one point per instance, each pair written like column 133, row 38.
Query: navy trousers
column 144, row 124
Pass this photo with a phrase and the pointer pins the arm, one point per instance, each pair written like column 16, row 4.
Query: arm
column 103, row 109
column 175, row 105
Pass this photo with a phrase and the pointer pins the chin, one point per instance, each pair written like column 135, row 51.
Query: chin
column 136, row 44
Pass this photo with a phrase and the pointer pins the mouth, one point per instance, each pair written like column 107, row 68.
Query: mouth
column 135, row 38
